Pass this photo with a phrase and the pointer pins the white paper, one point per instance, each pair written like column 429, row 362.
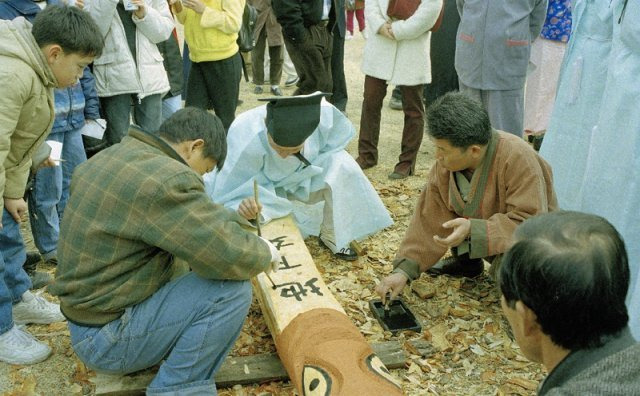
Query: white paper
column 56, row 150
column 94, row 128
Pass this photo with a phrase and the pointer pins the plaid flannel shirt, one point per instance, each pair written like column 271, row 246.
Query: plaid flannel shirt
column 132, row 209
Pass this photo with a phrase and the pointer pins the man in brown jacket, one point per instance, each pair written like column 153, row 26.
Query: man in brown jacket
column 483, row 185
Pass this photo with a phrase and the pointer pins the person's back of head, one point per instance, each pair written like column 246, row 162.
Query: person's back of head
column 571, row 270
column 191, row 124
column 458, row 119
column 69, row 27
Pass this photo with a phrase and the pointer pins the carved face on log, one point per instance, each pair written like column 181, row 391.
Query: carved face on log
column 325, row 354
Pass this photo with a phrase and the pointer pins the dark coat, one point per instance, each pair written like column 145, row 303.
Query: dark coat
column 297, row 15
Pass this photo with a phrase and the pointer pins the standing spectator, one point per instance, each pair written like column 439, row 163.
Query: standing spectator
column 492, row 55
column 130, row 71
column 398, row 54
column 267, row 32
column 546, row 57
column 602, row 178
column 442, row 53
column 307, row 26
column 33, row 60
column 170, row 50
column 339, row 94
column 211, row 32
column 355, row 7
column 289, row 70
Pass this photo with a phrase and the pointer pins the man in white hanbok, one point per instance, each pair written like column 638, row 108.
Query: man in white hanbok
column 294, row 147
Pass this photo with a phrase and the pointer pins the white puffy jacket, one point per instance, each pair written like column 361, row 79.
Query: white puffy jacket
column 115, row 71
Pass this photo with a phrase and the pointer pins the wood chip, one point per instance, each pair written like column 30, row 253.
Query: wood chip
column 524, row 383
column 423, row 289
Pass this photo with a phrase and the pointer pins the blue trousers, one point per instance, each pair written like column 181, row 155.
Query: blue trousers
column 50, row 192
column 190, row 322
column 13, row 280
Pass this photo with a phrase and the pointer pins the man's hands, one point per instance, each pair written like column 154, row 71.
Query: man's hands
column 386, row 31
column 16, row 208
column 393, row 284
column 275, row 256
column 249, row 209
column 461, row 230
column 196, row 5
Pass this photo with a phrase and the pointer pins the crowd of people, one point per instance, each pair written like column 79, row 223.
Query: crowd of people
column 168, row 182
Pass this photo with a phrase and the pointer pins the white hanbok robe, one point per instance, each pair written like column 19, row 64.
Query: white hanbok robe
column 286, row 185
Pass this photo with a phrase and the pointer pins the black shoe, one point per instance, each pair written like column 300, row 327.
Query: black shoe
column 347, row 254
column 30, row 264
column 457, row 267
column 258, row 90
column 39, row 279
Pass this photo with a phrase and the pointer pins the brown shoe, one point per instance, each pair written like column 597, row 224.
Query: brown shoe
column 363, row 164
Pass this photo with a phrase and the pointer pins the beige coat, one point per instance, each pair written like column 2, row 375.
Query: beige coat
column 26, row 104
column 267, row 20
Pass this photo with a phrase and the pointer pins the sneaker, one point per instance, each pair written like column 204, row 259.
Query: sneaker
column 258, row 90
column 35, row 309
column 291, row 81
column 395, row 103
column 348, row 36
column 365, row 35
column 457, row 267
column 346, row 254
column 276, row 90
column 19, row 347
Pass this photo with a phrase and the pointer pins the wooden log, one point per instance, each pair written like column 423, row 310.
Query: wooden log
column 321, row 349
column 246, row 370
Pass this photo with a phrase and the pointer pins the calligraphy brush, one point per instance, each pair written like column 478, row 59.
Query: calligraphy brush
column 255, row 197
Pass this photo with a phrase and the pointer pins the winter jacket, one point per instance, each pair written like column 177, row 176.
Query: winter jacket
column 76, row 104
column 405, row 60
column 26, row 104
column 116, row 71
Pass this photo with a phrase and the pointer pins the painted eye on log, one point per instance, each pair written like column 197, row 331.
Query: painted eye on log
column 315, row 381
column 376, row 365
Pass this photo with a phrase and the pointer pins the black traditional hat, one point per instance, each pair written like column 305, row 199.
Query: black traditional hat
column 292, row 119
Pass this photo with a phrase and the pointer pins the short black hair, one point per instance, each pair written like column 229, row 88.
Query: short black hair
column 571, row 270
column 71, row 28
column 192, row 123
column 458, row 119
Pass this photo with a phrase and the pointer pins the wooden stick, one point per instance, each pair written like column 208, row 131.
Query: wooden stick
column 255, row 197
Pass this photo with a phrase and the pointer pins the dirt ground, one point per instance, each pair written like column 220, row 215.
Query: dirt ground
column 474, row 354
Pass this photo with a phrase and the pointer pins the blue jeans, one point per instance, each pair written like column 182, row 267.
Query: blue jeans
column 50, row 192
column 13, row 280
column 170, row 106
column 190, row 322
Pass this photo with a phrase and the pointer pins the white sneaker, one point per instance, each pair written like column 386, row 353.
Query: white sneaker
column 365, row 35
column 348, row 36
column 19, row 347
column 35, row 309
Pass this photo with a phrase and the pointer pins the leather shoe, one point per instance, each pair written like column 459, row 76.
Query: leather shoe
column 457, row 267
column 363, row 165
column 276, row 91
column 291, row 81
column 258, row 90
column 397, row 176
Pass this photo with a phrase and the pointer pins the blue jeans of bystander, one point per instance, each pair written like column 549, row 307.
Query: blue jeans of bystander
column 191, row 322
column 13, row 280
column 50, row 192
